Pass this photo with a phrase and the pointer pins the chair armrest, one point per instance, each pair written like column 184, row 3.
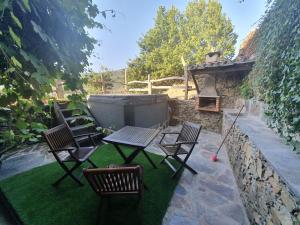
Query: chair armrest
column 90, row 135
column 63, row 149
column 186, row 142
column 170, row 132
column 174, row 144
column 82, row 135
column 164, row 134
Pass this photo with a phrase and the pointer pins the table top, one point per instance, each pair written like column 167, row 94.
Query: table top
column 133, row 136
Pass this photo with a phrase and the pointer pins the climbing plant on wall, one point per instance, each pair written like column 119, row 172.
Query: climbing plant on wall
column 275, row 77
column 41, row 41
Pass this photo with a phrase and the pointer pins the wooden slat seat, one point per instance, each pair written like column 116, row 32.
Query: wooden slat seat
column 81, row 154
column 171, row 150
column 71, row 118
column 82, row 127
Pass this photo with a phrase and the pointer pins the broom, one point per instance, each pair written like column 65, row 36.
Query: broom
column 214, row 157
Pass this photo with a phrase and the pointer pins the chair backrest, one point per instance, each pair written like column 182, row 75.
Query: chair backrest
column 113, row 181
column 59, row 137
column 59, row 115
column 189, row 132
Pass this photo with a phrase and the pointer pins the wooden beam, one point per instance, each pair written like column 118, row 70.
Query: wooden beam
column 137, row 82
column 221, row 69
column 168, row 78
column 149, row 85
column 125, row 80
column 161, row 87
column 138, row 89
column 195, row 82
column 186, row 82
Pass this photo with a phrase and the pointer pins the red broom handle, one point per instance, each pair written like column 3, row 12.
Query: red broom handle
column 230, row 129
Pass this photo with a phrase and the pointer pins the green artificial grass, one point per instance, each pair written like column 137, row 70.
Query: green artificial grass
column 37, row 202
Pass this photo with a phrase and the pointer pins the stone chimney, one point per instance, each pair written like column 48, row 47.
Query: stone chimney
column 212, row 57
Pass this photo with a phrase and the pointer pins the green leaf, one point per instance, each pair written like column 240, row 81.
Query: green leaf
column 16, row 62
column 10, row 70
column 14, row 36
column 24, row 131
column 40, row 77
column 33, row 139
column 40, row 68
column 16, row 20
column 38, row 127
column 37, row 29
column 26, row 5
column 21, row 124
column 4, row 4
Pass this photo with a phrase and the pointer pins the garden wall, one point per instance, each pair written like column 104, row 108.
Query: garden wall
column 227, row 86
column 266, row 171
column 184, row 110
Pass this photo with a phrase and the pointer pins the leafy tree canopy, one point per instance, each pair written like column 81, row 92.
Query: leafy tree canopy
column 191, row 34
column 41, row 41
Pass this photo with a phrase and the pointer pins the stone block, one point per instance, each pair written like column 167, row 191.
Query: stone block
column 288, row 200
column 268, row 172
column 276, row 187
column 281, row 217
column 259, row 168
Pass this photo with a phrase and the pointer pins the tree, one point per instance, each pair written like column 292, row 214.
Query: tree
column 205, row 28
column 200, row 29
column 160, row 47
column 41, row 41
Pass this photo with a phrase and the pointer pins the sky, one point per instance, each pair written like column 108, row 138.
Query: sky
column 118, row 40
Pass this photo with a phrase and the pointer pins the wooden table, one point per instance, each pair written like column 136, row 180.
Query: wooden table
column 136, row 137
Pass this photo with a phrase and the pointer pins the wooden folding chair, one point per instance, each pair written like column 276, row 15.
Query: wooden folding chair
column 65, row 149
column 184, row 145
column 116, row 180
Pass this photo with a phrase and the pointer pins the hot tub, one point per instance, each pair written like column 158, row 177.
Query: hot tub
column 117, row 111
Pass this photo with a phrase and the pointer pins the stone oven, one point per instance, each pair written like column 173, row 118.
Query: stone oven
column 217, row 85
column 208, row 99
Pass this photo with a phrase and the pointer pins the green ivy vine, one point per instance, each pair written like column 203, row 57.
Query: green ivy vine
column 275, row 77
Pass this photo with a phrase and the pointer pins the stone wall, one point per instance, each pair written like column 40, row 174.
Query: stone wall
column 227, row 86
column 267, row 197
column 184, row 110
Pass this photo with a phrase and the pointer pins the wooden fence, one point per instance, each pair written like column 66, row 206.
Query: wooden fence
column 126, row 87
column 150, row 84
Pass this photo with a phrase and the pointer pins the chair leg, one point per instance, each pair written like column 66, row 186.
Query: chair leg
column 163, row 160
column 190, row 168
column 102, row 211
column 149, row 159
column 183, row 164
column 145, row 187
column 177, row 171
column 91, row 162
column 69, row 173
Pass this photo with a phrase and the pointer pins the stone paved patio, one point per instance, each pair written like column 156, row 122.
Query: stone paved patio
column 209, row 198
